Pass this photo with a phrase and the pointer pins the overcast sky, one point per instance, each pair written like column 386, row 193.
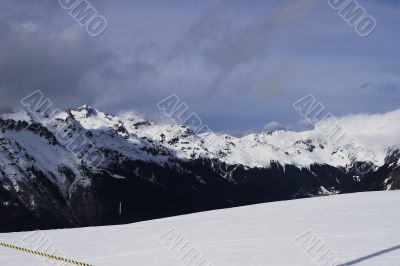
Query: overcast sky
column 239, row 64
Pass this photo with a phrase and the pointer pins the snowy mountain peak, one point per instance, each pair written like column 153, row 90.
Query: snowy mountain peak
column 17, row 116
column 88, row 110
column 136, row 137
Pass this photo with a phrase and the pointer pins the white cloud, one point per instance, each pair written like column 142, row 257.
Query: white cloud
column 375, row 131
column 274, row 126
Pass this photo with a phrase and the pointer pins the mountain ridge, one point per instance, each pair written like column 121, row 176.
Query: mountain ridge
column 47, row 176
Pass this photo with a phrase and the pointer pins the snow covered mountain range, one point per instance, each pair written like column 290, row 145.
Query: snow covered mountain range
column 147, row 170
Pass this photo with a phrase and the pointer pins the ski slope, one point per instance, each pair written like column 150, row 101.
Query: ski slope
column 360, row 229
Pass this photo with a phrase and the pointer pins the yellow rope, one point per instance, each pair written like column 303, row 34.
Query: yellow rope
column 44, row 254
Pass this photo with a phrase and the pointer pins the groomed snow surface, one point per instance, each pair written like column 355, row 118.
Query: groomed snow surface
column 357, row 229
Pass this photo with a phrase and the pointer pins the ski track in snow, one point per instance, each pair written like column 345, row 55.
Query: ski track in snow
column 354, row 226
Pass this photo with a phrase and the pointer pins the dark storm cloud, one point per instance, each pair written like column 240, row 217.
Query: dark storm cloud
column 238, row 64
column 227, row 45
column 31, row 59
column 39, row 53
column 385, row 88
column 388, row 87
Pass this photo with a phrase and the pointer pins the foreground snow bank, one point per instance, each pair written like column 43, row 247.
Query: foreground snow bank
column 358, row 229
